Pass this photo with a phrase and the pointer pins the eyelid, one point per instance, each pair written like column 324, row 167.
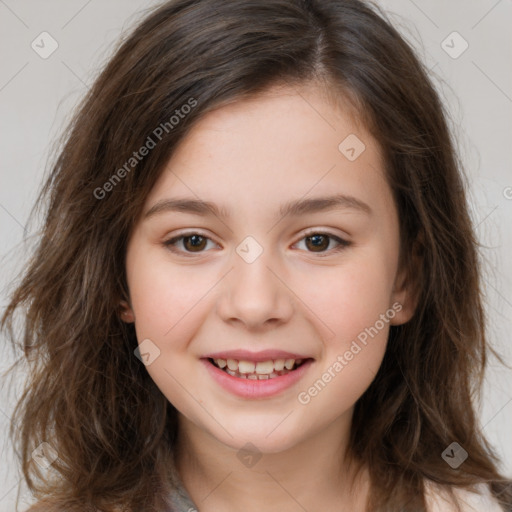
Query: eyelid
column 342, row 242
column 168, row 242
column 324, row 231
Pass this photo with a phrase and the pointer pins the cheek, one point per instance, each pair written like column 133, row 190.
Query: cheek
column 353, row 301
column 341, row 382
column 355, row 307
column 162, row 294
column 351, row 296
column 166, row 301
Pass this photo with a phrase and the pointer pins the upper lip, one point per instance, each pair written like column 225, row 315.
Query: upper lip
column 247, row 355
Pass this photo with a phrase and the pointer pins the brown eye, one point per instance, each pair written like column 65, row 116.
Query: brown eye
column 191, row 243
column 317, row 242
column 194, row 242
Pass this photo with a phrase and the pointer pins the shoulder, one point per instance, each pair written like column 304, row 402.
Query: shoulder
column 478, row 499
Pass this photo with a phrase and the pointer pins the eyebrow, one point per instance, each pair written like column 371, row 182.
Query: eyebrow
column 294, row 208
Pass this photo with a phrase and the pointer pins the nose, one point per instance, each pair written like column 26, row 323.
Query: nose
column 255, row 295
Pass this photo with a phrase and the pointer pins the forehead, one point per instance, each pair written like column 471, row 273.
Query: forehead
column 302, row 110
column 286, row 143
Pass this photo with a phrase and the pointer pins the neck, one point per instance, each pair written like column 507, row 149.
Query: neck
column 313, row 474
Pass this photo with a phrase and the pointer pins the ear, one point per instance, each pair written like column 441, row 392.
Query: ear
column 407, row 286
column 127, row 315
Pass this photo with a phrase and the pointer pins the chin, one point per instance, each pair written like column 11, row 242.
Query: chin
column 259, row 436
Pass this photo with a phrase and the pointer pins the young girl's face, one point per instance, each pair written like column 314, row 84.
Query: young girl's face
column 249, row 279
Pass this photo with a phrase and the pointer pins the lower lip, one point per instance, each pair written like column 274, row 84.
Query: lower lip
column 249, row 388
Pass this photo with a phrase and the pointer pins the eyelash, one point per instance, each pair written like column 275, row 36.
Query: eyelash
column 342, row 244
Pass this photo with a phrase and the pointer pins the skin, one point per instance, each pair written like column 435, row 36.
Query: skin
column 252, row 156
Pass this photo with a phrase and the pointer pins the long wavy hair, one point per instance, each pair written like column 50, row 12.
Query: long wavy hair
column 86, row 394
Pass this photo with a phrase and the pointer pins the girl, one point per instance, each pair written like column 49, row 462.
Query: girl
column 257, row 283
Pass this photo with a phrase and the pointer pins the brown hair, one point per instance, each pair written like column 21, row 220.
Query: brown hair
column 94, row 402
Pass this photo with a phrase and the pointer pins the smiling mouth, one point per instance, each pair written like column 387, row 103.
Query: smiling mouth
column 263, row 370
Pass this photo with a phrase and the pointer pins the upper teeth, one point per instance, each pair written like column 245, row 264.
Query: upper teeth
column 261, row 367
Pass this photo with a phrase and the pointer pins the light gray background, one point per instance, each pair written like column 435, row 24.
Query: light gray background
column 37, row 95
